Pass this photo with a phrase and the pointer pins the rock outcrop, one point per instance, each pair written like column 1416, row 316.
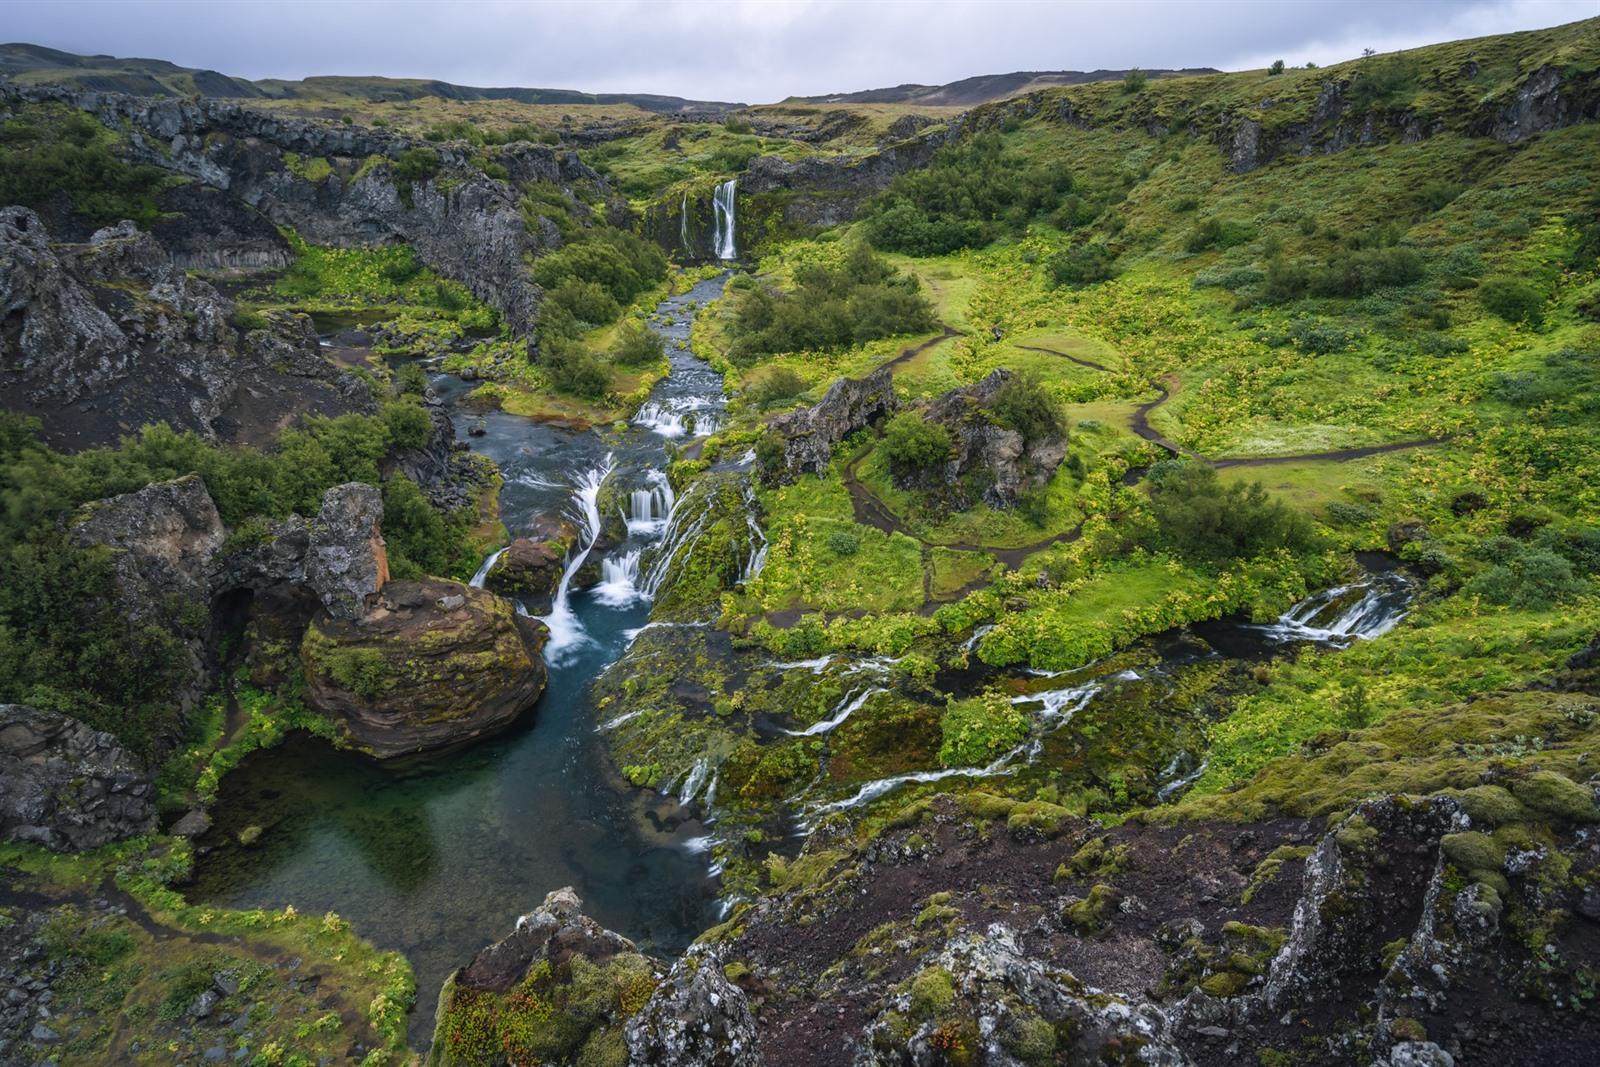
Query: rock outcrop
column 530, row 570
column 67, row 786
column 435, row 663
column 523, row 990
column 111, row 335
column 987, row 461
column 808, row 435
column 463, row 224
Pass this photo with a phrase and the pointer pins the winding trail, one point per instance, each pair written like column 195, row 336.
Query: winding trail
column 870, row 510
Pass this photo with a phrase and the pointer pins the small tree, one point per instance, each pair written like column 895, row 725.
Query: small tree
column 913, row 444
column 1134, row 81
column 637, row 345
column 1276, row 68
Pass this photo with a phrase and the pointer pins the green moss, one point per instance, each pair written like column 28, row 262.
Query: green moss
column 1555, row 796
column 932, row 990
column 1225, row 984
column 1472, row 851
column 1267, row 870
column 986, row 805
column 1088, row 915
column 1491, row 804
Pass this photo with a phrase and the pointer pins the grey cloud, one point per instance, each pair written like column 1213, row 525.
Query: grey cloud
column 750, row 51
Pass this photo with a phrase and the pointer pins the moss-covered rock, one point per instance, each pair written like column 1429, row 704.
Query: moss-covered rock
column 1556, row 796
column 435, row 664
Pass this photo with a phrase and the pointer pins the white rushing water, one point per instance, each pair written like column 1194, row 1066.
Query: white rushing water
column 723, row 204
column 649, row 509
column 483, row 571
column 619, row 580
column 1346, row 613
column 683, row 224
column 566, row 632
column 757, row 558
column 852, row 703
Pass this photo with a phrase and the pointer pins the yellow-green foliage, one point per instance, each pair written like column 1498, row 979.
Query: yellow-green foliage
column 978, row 730
column 1420, row 750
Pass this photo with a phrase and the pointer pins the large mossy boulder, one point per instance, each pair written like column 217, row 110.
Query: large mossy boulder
column 435, row 663
column 808, row 435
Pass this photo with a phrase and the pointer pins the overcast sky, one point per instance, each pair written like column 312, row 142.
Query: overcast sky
column 752, row 52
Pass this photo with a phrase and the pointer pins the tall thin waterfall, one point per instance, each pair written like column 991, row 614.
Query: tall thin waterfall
column 483, row 571
column 683, row 224
column 566, row 632
column 723, row 205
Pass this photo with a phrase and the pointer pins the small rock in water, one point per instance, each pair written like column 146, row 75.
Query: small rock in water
column 478, row 427
column 193, row 824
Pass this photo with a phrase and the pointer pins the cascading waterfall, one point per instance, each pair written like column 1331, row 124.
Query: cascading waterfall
column 682, row 533
column 488, row 565
column 758, row 541
column 723, row 204
column 683, row 224
column 1346, row 613
column 566, row 632
column 649, row 509
column 619, row 580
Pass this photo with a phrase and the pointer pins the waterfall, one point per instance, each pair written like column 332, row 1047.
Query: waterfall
column 852, row 703
column 679, row 538
column 1346, row 613
column 566, row 632
column 661, row 419
column 619, row 580
column 488, row 565
column 683, row 224
column 758, row 541
column 650, row 509
column 723, row 204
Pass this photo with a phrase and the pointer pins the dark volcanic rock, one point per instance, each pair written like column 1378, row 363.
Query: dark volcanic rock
column 992, row 459
column 696, row 1018
column 67, row 786
column 105, row 337
column 434, row 664
column 339, row 556
column 204, row 228
column 163, row 539
column 849, row 404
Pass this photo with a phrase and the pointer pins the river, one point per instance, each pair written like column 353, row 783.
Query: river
column 438, row 855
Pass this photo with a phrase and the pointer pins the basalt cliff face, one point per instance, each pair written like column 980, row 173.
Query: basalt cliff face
column 461, row 222
column 101, row 338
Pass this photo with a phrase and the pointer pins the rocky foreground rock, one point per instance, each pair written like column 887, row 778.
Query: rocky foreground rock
column 983, row 930
column 66, row 786
column 987, row 461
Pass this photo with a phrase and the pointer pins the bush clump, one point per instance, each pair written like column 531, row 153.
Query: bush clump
column 968, row 196
column 913, row 444
column 1200, row 518
column 862, row 299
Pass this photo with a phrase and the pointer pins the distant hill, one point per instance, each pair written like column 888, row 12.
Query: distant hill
column 30, row 64
column 982, row 88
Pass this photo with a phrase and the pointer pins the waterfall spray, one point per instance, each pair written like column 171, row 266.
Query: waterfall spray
column 566, row 632
column 723, row 205
column 683, row 224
